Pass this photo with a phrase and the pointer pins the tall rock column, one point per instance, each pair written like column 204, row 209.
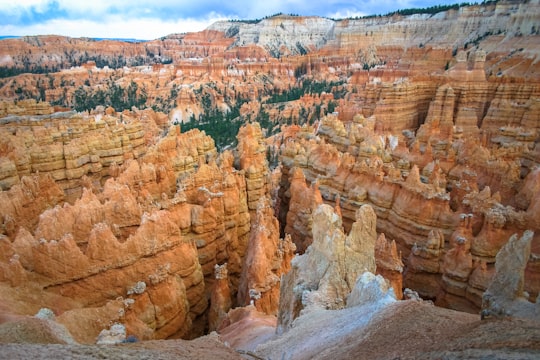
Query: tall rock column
column 505, row 295
column 389, row 264
column 266, row 259
column 252, row 159
column 220, row 299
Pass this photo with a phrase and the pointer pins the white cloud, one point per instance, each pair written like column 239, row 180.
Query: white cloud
column 342, row 14
column 112, row 27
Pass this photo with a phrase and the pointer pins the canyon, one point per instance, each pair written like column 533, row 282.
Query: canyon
column 293, row 187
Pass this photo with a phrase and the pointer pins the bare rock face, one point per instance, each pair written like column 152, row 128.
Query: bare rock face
column 115, row 335
column 303, row 202
column 252, row 159
column 151, row 230
column 220, row 299
column 68, row 146
column 267, row 258
column 112, row 217
column 433, row 191
column 389, row 264
column 370, row 289
column 23, row 203
column 326, row 273
column 505, row 296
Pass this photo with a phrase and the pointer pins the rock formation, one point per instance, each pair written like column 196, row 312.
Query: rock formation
column 389, row 264
column 326, row 273
column 220, row 300
column 505, row 295
column 152, row 229
column 421, row 129
column 267, row 258
column 444, row 216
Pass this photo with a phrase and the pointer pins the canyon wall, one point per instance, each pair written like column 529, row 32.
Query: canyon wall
column 137, row 234
column 447, row 193
column 118, row 215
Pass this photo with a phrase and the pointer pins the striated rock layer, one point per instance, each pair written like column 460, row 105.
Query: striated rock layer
column 139, row 245
column 449, row 201
column 423, row 130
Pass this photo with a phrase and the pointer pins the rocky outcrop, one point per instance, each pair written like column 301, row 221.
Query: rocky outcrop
column 505, row 296
column 267, row 258
column 421, row 193
column 68, row 147
column 152, row 232
column 24, row 202
column 389, row 264
column 327, row 272
column 220, row 299
column 414, row 129
column 303, row 202
column 252, row 160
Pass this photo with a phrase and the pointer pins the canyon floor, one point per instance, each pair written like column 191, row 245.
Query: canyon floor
column 404, row 330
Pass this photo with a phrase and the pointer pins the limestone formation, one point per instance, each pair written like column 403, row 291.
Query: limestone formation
column 327, row 272
column 423, row 129
column 220, row 299
column 505, row 296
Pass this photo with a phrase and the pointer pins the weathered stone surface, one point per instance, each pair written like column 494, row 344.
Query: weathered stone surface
column 327, row 272
column 389, row 264
column 505, row 295
column 436, row 128
column 220, row 299
column 265, row 261
column 152, row 222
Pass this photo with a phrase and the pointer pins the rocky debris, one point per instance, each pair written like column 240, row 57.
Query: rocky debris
column 46, row 314
column 370, row 289
column 363, row 332
column 206, row 347
column 246, row 327
column 34, row 330
column 115, row 335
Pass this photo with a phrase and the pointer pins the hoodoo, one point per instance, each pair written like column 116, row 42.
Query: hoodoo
column 292, row 187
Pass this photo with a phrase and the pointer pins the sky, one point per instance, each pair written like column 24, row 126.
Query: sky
column 151, row 19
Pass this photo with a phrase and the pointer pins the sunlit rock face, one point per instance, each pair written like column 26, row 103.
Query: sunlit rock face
column 324, row 276
column 450, row 194
column 140, row 243
column 418, row 163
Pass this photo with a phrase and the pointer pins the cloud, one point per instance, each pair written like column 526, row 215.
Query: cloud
column 113, row 27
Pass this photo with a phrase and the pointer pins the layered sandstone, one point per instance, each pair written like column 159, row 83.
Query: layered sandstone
column 68, row 146
column 420, row 186
column 120, row 217
column 152, row 231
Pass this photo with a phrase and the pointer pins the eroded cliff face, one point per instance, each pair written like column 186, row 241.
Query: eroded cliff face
column 447, row 196
column 139, row 244
column 403, row 146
